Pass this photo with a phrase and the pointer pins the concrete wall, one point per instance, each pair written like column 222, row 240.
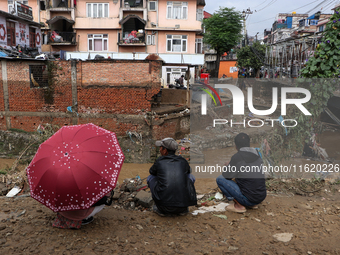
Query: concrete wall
column 174, row 96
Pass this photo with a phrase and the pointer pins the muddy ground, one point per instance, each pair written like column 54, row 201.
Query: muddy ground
column 311, row 218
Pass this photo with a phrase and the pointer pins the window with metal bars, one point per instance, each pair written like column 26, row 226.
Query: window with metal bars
column 38, row 76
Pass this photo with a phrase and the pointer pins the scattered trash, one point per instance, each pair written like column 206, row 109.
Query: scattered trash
column 283, row 237
column 22, row 213
column 232, row 248
column 134, row 133
column 215, row 208
column 200, row 197
column 13, row 192
column 221, row 216
column 218, row 196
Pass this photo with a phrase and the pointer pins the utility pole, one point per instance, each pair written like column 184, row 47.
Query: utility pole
column 244, row 15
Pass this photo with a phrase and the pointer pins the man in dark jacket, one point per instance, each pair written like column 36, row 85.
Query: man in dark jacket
column 249, row 188
column 170, row 181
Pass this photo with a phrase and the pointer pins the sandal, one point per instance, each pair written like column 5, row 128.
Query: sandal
column 232, row 208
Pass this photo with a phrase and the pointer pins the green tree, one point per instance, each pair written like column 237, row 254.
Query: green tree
column 251, row 56
column 323, row 67
column 223, row 31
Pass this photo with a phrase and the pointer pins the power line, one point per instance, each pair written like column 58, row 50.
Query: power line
column 288, row 11
column 328, row 5
column 304, row 5
column 260, row 4
column 270, row 3
column 323, row 2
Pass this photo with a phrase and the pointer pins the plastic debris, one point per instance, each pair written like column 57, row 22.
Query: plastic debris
column 221, row 216
column 218, row 196
column 13, row 192
column 215, row 208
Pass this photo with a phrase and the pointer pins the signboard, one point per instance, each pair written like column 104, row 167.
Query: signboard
column 23, row 11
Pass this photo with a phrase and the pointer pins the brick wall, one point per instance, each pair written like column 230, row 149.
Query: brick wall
column 114, row 94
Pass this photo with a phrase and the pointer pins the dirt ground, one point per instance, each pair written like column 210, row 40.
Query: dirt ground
column 313, row 221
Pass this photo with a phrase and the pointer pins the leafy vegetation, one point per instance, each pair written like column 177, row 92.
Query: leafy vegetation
column 320, row 76
column 247, row 58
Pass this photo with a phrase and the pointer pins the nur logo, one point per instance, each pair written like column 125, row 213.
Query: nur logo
column 204, row 97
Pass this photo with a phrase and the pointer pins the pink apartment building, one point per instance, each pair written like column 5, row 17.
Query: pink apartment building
column 134, row 29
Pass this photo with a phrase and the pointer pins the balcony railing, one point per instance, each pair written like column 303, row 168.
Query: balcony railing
column 132, row 4
column 58, row 4
column 129, row 40
column 61, row 38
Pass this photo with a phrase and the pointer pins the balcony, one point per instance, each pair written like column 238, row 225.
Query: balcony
column 131, row 4
column 131, row 39
column 133, row 34
column 61, row 38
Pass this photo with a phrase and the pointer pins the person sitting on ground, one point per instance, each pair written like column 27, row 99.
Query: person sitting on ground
column 170, row 181
column 76, row 218
column 249, row 188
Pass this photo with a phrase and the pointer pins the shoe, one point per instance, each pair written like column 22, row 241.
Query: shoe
column 232, row 208
column 184, row 213
column 156, row 210
column 87, row 221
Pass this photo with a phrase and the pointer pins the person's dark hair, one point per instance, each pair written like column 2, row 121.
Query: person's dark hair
column 242, row 140
column 169, row 151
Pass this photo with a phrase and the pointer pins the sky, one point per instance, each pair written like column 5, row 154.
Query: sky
column 265, row 11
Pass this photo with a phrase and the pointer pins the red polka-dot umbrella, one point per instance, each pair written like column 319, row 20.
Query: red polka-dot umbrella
column 75, row 167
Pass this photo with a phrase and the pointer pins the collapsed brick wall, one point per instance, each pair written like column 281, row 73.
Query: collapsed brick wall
column 103, row 87
column 113, row 94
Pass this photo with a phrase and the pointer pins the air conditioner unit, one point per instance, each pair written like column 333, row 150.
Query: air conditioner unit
column 177, row 26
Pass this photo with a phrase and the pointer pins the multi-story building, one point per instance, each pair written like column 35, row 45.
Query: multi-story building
column 17, row 26
column 284, row 25
column 136, row 28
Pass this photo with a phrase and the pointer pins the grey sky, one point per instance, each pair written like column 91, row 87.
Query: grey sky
column 266, row 10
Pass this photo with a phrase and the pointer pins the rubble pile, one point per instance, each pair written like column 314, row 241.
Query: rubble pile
column 133, row 194
column 184, row 148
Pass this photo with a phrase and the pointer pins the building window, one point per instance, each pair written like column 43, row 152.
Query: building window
column 321, row 28
column 152, row 6
column 97, row 42
column 11, row 33
column 199, row 14
column 177, row 10
column 97, row 10
column 42, row 5
column 10, row 6
column 198, row 46
column 150, row 40
column 38, row 76
column 176, row 43
column 32, row 37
